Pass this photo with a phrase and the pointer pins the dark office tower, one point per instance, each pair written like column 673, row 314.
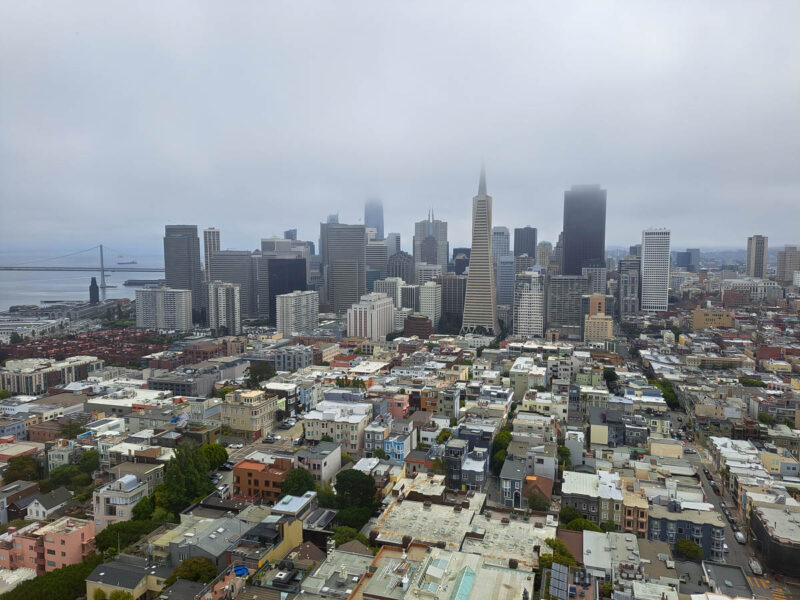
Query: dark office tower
column 290, row 234
column 757, row 256
column 373, row 215
column 556, row 257
column 460, row 260
column 283, row 276
column 182, row 269
column 564, row 293
column 635, row 250
column 629, row 270
column 94, row 292
column 344, row 264
column 694, row 259
column 525, row 241
column 392, row 243
column 454, row 290
column 584, row 228
column 401, row 265
column 237, row 266
column 429, row 251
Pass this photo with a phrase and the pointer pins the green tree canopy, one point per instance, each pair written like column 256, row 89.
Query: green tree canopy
column 185, row 479
column 581, row 525
column 127, row 532
column 537, row 501
column 764, row 417
column 342, row 535
column 258, row 372
column 326, row 438
column 99, row 594
column 689, row 549
column 4, row 394
column 143, row 510
column 72, row 430
column 90, row 462
column 380, row 453
column 354, row 516
column 298, row 482
column 355, row 488
column 561, row 555
column 569, row 513
column 196, row 568
column 225, row 391
column 497, row 460
column 120, row 595
column 66, row 583
column 215, row 454
column 752, row 382
column 444, row 435
column 21, row 467
column 608, row 526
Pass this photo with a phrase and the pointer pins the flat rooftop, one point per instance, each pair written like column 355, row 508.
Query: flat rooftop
column 516, row 538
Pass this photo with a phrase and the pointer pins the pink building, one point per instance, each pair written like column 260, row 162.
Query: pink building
column 398, row 406
column 46, row 547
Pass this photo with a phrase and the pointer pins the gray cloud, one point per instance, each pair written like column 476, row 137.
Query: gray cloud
column 255, row 117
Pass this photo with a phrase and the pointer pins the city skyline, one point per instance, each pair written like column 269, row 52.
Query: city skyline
column 647, row 103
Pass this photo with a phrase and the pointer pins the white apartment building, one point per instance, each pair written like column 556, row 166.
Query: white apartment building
column 372, row 318
column 529, row 304
column 391, row 287
column 164, row 308
column 655, row 270
column 224, row 308
column 426, row 272
column 297, row 312
column 430, row 302
column 344, row 422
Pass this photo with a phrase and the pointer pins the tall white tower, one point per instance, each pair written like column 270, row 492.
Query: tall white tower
column 480, row 307
column 655, row 270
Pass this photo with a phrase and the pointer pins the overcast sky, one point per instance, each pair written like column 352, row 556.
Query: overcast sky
column 255, row 117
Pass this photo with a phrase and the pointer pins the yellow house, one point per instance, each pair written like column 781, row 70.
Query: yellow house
column 127, row 575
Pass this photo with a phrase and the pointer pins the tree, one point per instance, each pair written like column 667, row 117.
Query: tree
column 752, row 382
column 608, row 526
column 143, row 510
column 347, row 458
column 537, row 501
column 21, row 467
column 66, row 583
column 99, row 594
column 564, row 458
column 606, row 589
column 72, row 430
column 298, row 482
column 444, row 435
column 581, row 525
column 764, row 417
column 354, row 516
column 120, row 595
column 326, row 497
column 610, row 375
column 196, row 568
column 90, row 462
column 561, row 555
column 215, row 454
column 355, row 488
column 326, row 438
column 127, row 532
column 342, row 535
column 15, row 338
column 497, row 460
column 689, row 549
column 380, row 453
column 185, row 479
column 569, row 513
column 258, row 372
column 4, row 394
column 225, row 391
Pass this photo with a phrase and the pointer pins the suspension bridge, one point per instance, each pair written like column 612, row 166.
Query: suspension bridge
column 122, row 267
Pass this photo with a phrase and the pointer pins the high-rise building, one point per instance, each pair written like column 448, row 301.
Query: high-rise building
column 211, row 244
column 392, row 243
column 529, row 304
column 757, row 256
column 688, row 259
column 430, row 301
column 635, row 250
column 506, row 270
column 401, row 264
column 525, row 241
column 655, row 270
column 431, row 228
column 275, row 247
column 629, row 270
column 344, row 264
column 425, row 272
column 454, row 290
column 373, row 216
column 276, row 277
column 543, row 251
column 182, row 269
column 788, row 264
column 371, row 318
column 584, row 228
column 460, row 260
column 333, row 219
column 377, row 256
column 290, row 234
column 523, row 263
column 391, row 287
column 224, row 308
column 237, row 266
column 597, row 325
column 556, row 262
column 164, row 309
column 480, row 307
column 501, row 242
column 94, row 292
column 597, row 275
column 564, row 293
column 297, row 312
column 409, row 297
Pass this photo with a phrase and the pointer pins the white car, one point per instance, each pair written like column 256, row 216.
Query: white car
column 725, row 548
column 236, row 446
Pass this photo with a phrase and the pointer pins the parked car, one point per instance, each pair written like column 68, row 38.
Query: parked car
column 268, row 440
column 723, row 505
column 226, row 467
column 740, row 537
column 755, row 567
column 690, row 451
column 708, row 475
column 725, row 548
